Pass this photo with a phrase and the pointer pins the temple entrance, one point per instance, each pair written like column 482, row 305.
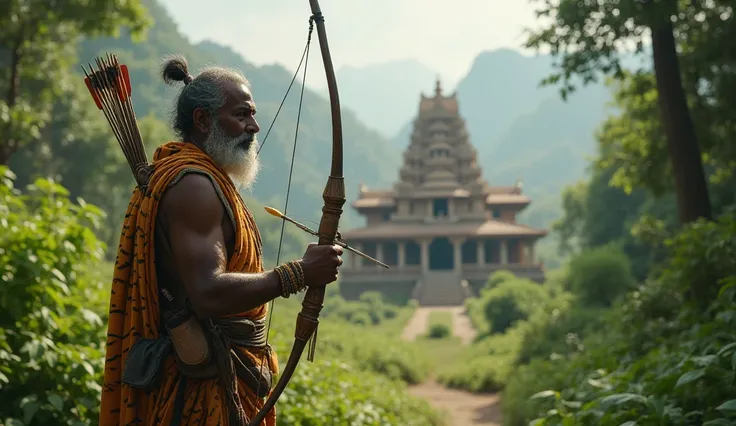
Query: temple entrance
column 440, row 207
column 441, row 255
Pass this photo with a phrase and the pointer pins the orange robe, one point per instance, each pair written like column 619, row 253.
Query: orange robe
column 134, row 305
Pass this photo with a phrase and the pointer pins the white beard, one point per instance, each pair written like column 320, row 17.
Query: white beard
column 241, row 164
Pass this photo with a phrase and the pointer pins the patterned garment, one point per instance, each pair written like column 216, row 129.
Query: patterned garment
column 134, row 305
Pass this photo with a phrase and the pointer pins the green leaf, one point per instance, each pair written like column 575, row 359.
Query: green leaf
column 689, row 377
column 629, row 423
column 59, row 275
column 544, row 394
column 56, row 401
column 29, row 411
column 622, row 398
column 727, row 348
column 718, row 422
column 729, row 406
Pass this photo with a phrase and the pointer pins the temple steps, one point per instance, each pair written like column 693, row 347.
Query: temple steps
column 441, row 288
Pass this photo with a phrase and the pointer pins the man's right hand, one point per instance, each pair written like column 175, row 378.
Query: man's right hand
column 320, row 264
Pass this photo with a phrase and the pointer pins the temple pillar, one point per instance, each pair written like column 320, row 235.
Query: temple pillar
column 457, row 244
column 480, row 248
column 357, row 262
column 522, row 252
column 379, row 253
column 402, row 254
column 424, row 244
column 530, row 253
column 504, row 252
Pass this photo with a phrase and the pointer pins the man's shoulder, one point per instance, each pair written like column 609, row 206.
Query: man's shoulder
column 193, row 194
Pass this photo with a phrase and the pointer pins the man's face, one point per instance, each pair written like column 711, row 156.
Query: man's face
column 231, row 141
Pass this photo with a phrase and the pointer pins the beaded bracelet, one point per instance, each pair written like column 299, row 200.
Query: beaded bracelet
column 292, row 278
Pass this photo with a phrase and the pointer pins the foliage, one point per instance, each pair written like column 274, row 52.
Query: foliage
column 336, row 393
column 560, row 332
column 601, row 275
column 41, row 43
column 497, row 278
column 370, row 310
column 440, row 325
column 509, row 302
column 376, row 350
column 661, row 360
column 50, row 340
column 486, row 365
column 439, row 331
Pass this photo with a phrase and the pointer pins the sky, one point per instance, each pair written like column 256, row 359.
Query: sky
column 444, row 35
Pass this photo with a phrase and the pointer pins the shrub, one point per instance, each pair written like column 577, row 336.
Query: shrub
column 369, row 310
column 50, row 341
column 600, row 275
column 486, row 365
column 497, row 278
column 559, row 329
column 511, row 301
column 439, row 331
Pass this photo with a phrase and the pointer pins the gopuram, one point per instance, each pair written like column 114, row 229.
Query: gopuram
column 442, row 229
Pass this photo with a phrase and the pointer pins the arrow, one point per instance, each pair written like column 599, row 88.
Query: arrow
column 274, row 212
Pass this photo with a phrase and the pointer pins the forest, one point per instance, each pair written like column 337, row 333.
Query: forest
column 636, row 327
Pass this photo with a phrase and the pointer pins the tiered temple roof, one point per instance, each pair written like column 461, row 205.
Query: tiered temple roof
column 441, row 191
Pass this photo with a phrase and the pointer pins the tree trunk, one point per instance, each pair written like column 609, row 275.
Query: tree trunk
column 8, row 146
column 682, row 143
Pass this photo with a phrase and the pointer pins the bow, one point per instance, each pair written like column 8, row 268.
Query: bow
column 334, row 199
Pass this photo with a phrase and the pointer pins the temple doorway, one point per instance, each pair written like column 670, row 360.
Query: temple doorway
column 441, row 255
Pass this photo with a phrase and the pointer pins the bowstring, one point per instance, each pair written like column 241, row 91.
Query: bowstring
column 305, row 61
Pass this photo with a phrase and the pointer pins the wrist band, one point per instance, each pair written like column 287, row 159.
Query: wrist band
column 292, row 278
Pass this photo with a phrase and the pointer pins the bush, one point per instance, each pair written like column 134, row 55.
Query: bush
column 439, row 331
column 497, row 278
column 50, row 342
column 371, row 309
column 511, row 301
column 600, row 275
column 486, row 365
column 559, row 329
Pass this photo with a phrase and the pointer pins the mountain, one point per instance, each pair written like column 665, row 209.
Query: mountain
column 368, row 157
column 551, row 145
column 500, row 86
column 385, row 96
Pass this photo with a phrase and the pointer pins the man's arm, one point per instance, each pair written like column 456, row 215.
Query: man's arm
column 195, row 213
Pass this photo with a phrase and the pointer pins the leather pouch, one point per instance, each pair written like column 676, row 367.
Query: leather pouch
column 190, row 343
column 258, row 379
column 144, row 362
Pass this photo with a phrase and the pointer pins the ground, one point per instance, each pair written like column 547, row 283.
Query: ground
column 463, row 408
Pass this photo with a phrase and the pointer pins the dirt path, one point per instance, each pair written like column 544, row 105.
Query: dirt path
column 461, row 326
column 463, row 408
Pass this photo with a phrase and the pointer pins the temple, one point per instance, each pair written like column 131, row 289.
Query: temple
column 442, row 229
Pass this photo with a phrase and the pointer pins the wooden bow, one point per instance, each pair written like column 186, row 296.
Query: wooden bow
column 334, row 198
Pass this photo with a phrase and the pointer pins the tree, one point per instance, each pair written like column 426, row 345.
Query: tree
column 38, row 41
column 590, row 37
column 51, row 333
